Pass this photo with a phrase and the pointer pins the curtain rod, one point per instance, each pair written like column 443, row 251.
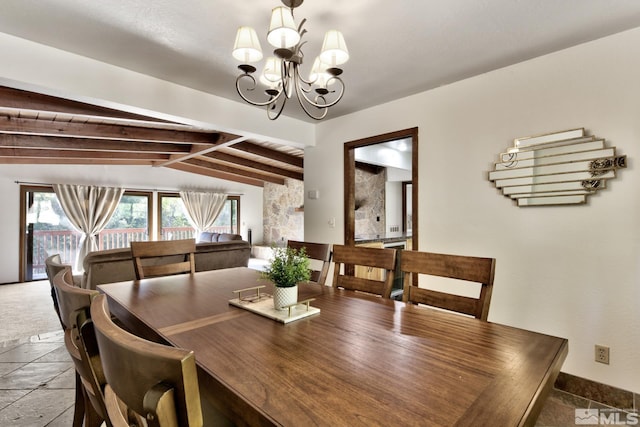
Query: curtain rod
column 126, row 188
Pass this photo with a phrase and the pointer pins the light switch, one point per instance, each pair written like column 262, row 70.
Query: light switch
column 313, row 194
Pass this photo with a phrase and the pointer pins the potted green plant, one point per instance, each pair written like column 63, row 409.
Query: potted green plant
column 287, row 268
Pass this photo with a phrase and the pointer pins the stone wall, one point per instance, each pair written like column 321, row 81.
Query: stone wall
column 283, row 218
column 370, row 203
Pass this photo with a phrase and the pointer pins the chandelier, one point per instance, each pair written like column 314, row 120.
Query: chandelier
column 281, row 75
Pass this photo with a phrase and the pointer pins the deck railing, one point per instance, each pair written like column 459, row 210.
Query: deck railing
column 66, row 242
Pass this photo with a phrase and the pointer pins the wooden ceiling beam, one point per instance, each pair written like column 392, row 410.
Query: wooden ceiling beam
column 89, row 156
column 67, row 161
column 255, row 165
column 44, row 129
column 215, row 174
column 11, row 124
column 201, row 150
column 279, row 156
column 23, row 99
column 234, row 171
column 89, row 144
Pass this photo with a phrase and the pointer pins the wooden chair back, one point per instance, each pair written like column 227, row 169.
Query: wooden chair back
column 465, row 268
column 157, row 382
column 179, row 254
column 317, row 252
column 53, row 265
column 80, row 342
column 370, row 258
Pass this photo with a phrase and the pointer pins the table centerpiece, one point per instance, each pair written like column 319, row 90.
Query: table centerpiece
column 287, row 268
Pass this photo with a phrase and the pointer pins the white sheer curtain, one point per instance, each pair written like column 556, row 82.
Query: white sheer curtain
column 89, row 209
column 202, row 208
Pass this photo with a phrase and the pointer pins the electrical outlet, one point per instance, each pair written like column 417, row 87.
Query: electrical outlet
column 602, row 354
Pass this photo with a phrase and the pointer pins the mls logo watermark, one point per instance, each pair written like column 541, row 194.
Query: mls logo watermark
column 614, row 417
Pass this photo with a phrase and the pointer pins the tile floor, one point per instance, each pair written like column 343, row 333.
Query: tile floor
column 37, row 377
column 36, row 382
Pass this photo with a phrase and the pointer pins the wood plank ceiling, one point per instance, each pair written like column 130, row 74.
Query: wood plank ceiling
column 43, row 129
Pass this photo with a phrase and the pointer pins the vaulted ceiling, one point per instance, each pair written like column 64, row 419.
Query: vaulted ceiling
column 43, row 129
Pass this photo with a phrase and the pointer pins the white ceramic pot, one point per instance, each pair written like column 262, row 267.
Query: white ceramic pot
column 284, row 296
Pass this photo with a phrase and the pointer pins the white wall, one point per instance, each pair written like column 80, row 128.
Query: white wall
column 137, row 177
column 568, row 271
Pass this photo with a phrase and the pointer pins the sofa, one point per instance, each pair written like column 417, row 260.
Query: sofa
column 213, row 251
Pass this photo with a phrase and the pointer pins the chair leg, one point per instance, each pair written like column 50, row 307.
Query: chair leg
column 91, row 416
column 78, row 412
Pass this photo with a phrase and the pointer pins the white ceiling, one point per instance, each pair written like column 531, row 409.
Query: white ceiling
column 397, row 47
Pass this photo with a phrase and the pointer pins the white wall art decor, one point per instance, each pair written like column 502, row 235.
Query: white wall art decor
column 561, row 168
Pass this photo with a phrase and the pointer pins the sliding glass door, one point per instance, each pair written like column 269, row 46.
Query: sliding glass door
column 45, row 229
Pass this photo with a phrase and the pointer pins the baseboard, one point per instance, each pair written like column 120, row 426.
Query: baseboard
column 598, row 392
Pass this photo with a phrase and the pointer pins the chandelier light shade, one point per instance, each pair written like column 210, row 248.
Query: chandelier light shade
column 247, row 46
column 282, row 31
column 281, row 76
column 334, row 49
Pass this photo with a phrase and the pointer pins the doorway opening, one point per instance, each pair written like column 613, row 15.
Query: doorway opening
column 409, row 208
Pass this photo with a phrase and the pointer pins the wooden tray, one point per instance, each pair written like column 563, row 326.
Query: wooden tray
column 262, row 304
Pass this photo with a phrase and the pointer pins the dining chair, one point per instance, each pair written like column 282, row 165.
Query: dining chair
column 163, row 257
column 147, row 380
column 53, row 265
column 79, row 339
column 370, row 259
column 463, row 268
column 318, row 253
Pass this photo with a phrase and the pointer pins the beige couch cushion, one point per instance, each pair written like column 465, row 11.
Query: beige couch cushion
column 116, row 265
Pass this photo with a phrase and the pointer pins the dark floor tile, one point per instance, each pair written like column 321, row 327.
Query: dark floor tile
column 6, row 368
column 10, row 344
column 569, row 399
column 558, row 411
column 60, row 354
column 28, row 352
column 33, row 375
column 614, row 416
column 67, row 379
column 38, row 408
column 63, row 420
column 7, row 397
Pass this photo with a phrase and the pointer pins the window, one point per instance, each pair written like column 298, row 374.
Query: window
column 130, row 222
column 46, row 230
column 174, row 223
column 229, row 217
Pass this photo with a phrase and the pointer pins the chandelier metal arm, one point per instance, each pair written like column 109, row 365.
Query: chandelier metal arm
column 309, row 113
column 302, row 91
column 270, row 101
column 304, row 101
column 274, row 106
column 286, row 76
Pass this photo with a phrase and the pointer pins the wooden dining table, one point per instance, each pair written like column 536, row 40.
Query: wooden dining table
column 361, row 361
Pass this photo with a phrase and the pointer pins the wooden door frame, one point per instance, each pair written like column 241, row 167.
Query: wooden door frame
column 349, row 180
